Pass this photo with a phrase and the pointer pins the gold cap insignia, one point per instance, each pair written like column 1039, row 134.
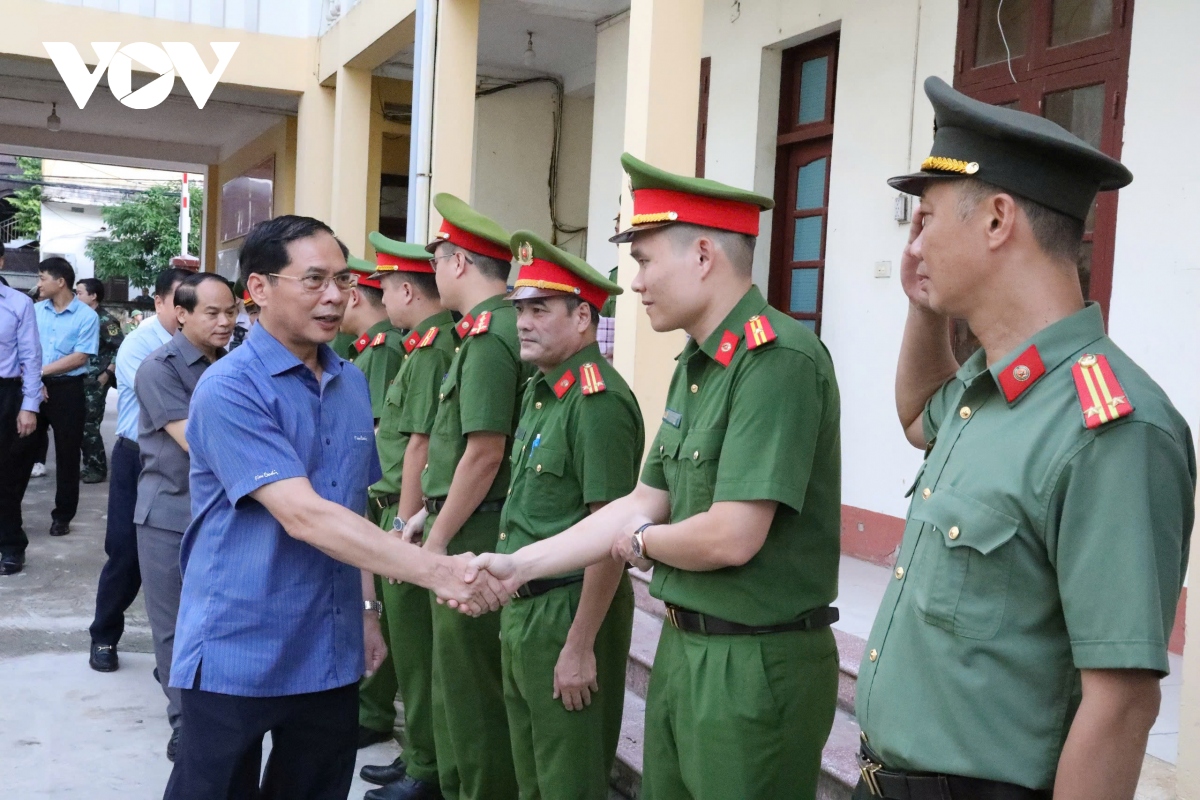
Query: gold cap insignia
column 940, row 164
column 525, row 254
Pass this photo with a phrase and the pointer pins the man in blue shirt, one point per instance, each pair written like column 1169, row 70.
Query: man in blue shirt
column 69, row 332
column 20, row 398
column 121, row 576
column 276, row 562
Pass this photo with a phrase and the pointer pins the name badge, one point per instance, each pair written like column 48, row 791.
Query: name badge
column 520, row 434
column 672, row 418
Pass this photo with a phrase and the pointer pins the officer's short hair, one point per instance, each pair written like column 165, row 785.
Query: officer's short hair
column 494, row 268
column 1058, row 235
column 424, row 282
column 168, row 279
column 373, row 296
column 187, row 293
column 264, row 252
column 93, row 287
column 57, row 267
column 574, row 303
column 737, row 247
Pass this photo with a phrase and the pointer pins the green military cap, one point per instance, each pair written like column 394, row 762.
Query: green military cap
column 547, row 271
column 1025, row 154
column 467, row 228
column 662, row 198
column 395, row 256
column 363, row 269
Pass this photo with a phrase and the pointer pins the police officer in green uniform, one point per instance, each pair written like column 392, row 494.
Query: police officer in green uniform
column 578, row 447
column 738, row 510
column 411, row 297
column 465, row 484
column 1018, row 648
column 100, row 378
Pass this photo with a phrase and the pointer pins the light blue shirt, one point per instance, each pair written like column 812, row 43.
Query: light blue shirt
column 267, row 614
column 75, row 329
column 20, row 350
column 144, row 340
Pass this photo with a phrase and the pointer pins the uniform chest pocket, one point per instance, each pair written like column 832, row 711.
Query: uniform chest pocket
column 962, row 568
column 699, row 454
column 548, row 489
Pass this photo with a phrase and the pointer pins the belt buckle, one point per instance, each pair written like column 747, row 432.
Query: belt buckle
column 868, row 769
column 671, row 616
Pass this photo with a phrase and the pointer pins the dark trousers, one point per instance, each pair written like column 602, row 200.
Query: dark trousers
column 121, row 576
column 313, row 746
column 14, row 451
column 64, row 410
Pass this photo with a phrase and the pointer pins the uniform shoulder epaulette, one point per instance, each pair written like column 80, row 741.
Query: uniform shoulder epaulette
column 564, row 384
column 379, row 339
column 1100, row 394
column 411, row 342
column 481, row 323
column 361, row 342
column 590, row 381
column 464, row 326
column 758, row 332
column 429, row 336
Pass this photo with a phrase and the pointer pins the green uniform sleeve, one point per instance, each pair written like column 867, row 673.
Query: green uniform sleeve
column 488, row 387
column 938, row 405
column 419, row 402
column 1117, row 531
column 776, row 411
column 607, row 446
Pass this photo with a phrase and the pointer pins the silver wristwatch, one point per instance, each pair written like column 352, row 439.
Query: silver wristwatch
column 373, row 605
column 639, row 544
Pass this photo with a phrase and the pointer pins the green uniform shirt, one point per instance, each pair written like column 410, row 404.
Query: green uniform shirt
column 379, row 362
column 1035, row 547
column 411, row 401
column 587, row 450
column 343, row 344
column 111, row 337
column 481, row 392
column 765, row 427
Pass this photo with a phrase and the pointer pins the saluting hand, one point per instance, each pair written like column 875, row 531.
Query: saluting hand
column 911, row 279
column 575, row 676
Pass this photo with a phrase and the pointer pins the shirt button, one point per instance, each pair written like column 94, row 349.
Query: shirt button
column 874, row 654
column 661, row 449
column 696, row 455
column 503, row 536
column 456, row 349
column 925, row 494
column 539, row 468
column 899, row 573
column 334, row 483
column 953, row 532
column 538, row 405
column 965, row 412
column 327, row 441
column 695, row 388
column 442, row 396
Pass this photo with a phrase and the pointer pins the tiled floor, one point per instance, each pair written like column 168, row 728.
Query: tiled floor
column 861, row 586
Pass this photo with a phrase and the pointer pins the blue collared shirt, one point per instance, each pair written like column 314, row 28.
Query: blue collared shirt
column 20, row 348
column 75, row 329
column 138, row 345
column 266, row 614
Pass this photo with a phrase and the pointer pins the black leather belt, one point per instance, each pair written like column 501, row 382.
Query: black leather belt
column 57, row 379
column 535, row 588
column 11, row 381
column 434, row 505
column 695, row 622
column 128, row 444
column 384, row 500
column 898, row 785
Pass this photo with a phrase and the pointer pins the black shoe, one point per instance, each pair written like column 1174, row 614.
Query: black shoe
column 103, row 658
column 385, row 774
column 408, row 789
column 11, row 565
column 92, row 477
column 59, row 528
column 173, row 745
column 155, row 674
column 369, row 736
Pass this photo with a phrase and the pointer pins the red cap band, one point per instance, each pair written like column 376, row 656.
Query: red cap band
column 673, row 206
column 364, row 279
column 469, row 241
column 403, row 264
column 543, row 274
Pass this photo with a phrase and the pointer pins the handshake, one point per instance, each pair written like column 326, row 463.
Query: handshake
column 474, row 584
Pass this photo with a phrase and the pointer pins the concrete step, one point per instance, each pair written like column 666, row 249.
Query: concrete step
column 646, row 630
column 641, row 593
column 626, row 775
column 850, row 654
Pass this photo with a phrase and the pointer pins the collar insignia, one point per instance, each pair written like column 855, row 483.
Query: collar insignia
column 564, row 384
column 726, row 349
column 1021, row 374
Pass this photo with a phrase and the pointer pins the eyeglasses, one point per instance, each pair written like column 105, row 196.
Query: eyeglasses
column 434, row 259
column 345, row 281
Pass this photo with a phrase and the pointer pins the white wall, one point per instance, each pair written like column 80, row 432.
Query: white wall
column 608, row 141
column 66, row 233
column 514, row 134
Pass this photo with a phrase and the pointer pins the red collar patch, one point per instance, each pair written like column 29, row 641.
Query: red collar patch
column 564, row 384
column 481, row 323
column 379, row 339
column 361, row 343
column 464, row 326
column 430, row 335
column 758, row 332
column 1100, row 394
column 1022, row 373
column 726, row 349
column 590, row 381
column 411, row 342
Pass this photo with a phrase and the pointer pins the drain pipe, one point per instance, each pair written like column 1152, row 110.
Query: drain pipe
column 420, row 149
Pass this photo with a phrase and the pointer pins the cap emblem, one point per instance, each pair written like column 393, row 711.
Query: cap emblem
column 525, row 254
column 940, row 164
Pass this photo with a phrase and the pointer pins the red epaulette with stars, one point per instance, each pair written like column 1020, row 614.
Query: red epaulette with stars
column 481, row 323
column 1100, row 394
column 410, row 343
column 464, row 326
column 379, row 339
column 430, row 335
column 361, row 342
column 758, row 332
column 590, row 381
column 564, row 384
column 726, row 349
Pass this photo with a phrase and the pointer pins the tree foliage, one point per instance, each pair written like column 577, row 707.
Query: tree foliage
column 143, row 235
column 27, row 202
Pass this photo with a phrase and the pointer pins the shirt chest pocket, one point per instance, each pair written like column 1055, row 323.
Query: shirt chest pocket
column 548, row 490
column 447, row 424
column 962, row 567
column 695, row 473
column 359, row 451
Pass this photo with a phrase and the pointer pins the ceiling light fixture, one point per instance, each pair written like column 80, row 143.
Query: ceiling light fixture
column 53, row 122
column 529, row 54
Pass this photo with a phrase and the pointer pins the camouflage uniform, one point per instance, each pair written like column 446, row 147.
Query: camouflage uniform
column 95, row 465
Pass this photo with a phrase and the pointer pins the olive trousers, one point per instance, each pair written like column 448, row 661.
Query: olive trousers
column 377, row 693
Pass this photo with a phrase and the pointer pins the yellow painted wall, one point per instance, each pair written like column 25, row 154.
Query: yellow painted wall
column 389, row 144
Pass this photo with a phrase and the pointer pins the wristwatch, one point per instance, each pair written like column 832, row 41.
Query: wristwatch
column 373, row 605
column 639, row 544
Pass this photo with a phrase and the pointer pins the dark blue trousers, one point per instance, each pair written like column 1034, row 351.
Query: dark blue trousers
column 313, row 746
column 121, row 577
